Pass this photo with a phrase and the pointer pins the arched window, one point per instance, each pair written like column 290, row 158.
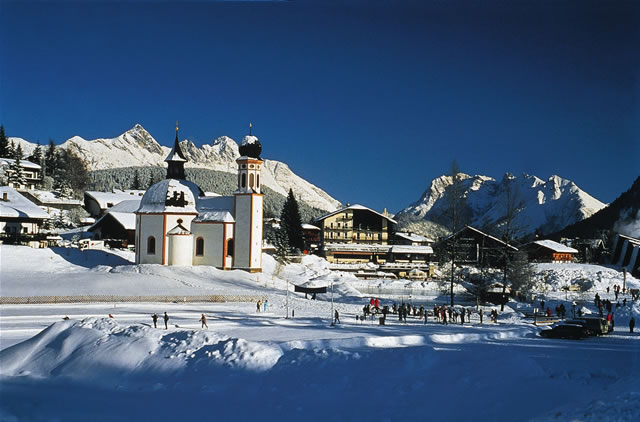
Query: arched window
column 251, row 180
column 151, row 245
column 258, row 181
column 229, row 247
column 199, row 246
column 244, row 180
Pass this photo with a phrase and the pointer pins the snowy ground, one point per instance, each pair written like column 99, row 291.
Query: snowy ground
column 262, row 365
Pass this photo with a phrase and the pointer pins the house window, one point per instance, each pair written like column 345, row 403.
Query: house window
column 151, row 245
column 244, row 180
column 229, row 247
column 199, row 246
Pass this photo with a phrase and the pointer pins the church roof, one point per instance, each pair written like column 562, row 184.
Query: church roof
column 216, row 209
column 179, row 229
column 170, row 195
column 176, row 153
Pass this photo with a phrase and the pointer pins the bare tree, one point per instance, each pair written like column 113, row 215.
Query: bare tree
column 457, row 212
column 509, row 227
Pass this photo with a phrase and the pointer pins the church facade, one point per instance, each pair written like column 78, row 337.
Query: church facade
column 177, row 224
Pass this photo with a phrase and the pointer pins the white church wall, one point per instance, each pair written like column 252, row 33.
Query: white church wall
column 229, row 235
column 256, row 237
column 242, row 251
column 150, row 225
column 180, row 248
column 171, row 222
column 213, row 236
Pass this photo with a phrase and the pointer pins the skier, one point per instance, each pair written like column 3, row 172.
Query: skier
column 203, row 319
column 154, row 317
column 166, row 321
column 632, row 323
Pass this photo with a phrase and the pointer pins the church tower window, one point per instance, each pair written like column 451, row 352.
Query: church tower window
column 244, row 180
column 251, row 180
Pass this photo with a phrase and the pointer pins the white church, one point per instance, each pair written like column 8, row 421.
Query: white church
column 176, row 224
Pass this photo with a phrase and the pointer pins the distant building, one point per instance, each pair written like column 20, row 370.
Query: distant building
column 625, row 253
column 32, row 173
column 18, row 215
column 118, row 224
column 355, row 234
column 97, row 203
column 476, row 247
column 549, row 251
column 311, row 235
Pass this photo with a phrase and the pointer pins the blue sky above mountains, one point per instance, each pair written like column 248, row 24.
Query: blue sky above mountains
column 368, row 100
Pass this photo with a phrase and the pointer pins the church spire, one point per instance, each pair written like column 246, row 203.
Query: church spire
column 176, row 160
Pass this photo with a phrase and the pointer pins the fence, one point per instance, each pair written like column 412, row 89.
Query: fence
column 34, row 300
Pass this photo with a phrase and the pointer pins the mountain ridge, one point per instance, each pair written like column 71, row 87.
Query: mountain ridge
column 138, row 148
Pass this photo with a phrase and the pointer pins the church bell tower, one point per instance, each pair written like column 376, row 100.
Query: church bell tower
column 248, row 206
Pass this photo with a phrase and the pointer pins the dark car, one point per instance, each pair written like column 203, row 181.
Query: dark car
column 568, row 331
column 598, row 326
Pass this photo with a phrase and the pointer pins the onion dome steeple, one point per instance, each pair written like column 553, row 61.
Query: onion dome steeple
column 176, row 160
column 250, row 146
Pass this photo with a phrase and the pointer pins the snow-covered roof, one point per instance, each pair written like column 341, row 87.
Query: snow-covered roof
column 128, row 206
column 249, row 139
column 483, row 234
column 412, row 237
column 170, row 195
column 411, row 249
column 555, row 246
column 355, row 207
column 17, row 206
column 126, row 219
column 179, row 230
column 306, row 226
column 214, row 216
column 23, row 163
column 115, row 197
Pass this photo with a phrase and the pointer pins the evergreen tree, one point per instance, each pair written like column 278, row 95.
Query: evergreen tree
column 36, row 155
column 136, row 180
column 17, row 178
column 50, row 159
column 291, row 222
column 11, row 149
column 4, row 144
column 71, row 173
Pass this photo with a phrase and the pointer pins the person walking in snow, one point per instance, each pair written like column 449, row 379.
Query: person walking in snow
column 336, row 317
column 166, row 321
column 203, row 319
column 266, row 302
column 258, row 304
column 632, row 324
column 154, row 317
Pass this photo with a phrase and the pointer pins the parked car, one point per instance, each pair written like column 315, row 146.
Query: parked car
column 568, row 331
column 598, row 326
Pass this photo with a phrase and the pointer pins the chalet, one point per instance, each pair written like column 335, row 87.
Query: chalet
column 18, row 215
column 117, row 224
column 97, row 203
column 549, row 251
column 355, row 234
column 408, row 238
column 32, row 173
column 625, row 253
column 473, row 246
column 311, row 235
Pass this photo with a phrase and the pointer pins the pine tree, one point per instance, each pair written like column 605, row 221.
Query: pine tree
column 36, row 155
column 50, row 159
column 4, row 144
column 291, row 222
column 11, row 149
column 136, row 180
column 17, row 178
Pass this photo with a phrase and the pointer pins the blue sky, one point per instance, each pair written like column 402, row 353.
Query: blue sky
column 369, row 100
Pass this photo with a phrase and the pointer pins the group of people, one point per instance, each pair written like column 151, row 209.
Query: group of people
column 262, row 305
column 154, row 318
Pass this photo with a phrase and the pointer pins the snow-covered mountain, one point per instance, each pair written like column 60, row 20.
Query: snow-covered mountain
column 137, row 148
column 545, row 206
